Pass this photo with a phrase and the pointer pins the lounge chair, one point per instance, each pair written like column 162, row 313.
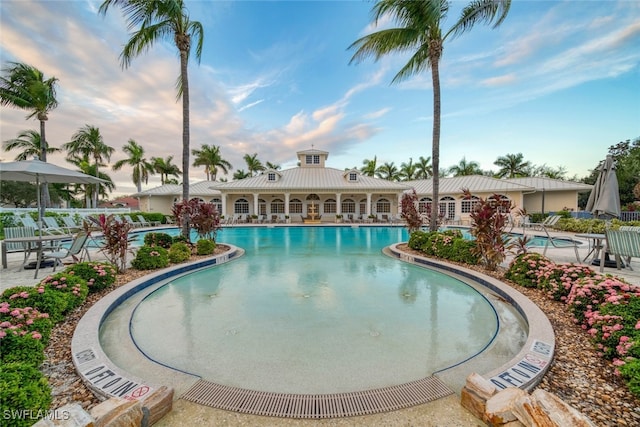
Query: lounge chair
column 144, row 223
column 560, row 242
column 549, row 222
column 70, row 224
column 128, row 219
column 623, row 243
column 74, row 251
column 52, row 226
column 168, row 220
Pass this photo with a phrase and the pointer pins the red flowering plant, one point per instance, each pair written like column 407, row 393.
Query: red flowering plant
column 410, row 212
column 116, row 245
column 488, row 222
column 202, row 216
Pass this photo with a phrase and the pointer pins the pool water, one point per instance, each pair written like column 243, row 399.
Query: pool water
column 313, row 310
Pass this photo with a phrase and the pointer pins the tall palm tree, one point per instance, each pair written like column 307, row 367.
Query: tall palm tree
column 28, row 143
column 161, row 19
column 141, row 166
column 210, row 158
column 87, row 143
column 465, row 168
column 370, row 167
column 408, row 171
column 272, row 166
column 165, row 168
column 424, row 168
column 419, row 31
column 241, row 174
column 388, row 171
column 24, row 87
column 512, row 166
column 254, row 165
column 84, row 165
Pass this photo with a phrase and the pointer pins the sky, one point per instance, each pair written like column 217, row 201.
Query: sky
column 558, row 81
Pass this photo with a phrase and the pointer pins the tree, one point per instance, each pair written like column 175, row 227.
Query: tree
column 254, row 165
column 419, row 31
column 28, row 143
column 408, row 171
column 165, row 168
column 241, row 174
column 89, row 191
column 141, row 166
column 512, row 166
column 87, row 143
column 465, row 168
column 157, row 20
column 388, row 171
column 210, row 158
column 24, row 87
column 424, row 169
column 370, row 167
column 272, row 166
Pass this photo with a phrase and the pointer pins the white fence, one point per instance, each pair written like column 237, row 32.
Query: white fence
column 69, row 211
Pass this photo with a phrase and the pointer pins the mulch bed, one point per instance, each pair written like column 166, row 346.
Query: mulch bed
column 577, row 375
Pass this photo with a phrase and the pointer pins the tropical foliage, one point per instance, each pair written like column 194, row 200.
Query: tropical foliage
column 28, row 144
column 165, row 168
column 141, row 166
column 211, row 159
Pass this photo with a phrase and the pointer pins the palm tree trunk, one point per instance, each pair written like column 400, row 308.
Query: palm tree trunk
column 45, row 201
column 185, row 139
column 435, row 155
column 97, row 192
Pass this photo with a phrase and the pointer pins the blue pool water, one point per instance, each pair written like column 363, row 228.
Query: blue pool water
column 313, row 310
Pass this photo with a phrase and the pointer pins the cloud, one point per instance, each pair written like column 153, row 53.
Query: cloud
column 499, row 81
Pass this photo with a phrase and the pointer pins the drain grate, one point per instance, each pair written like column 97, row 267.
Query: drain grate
column 317, row 405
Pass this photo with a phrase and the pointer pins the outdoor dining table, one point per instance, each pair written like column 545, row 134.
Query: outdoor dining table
column 599, row 249
column 35, row 244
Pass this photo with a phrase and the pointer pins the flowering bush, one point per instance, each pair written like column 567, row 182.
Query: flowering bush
column 523, row 268
column 205, row 247
column 179, row 252
column 75, row 288
column 24, row 320
column 150, row 257
column 588, row 293
column 615, row 327
column 158, row 239
column 99, row 275
column 557, row 280
column 23, row 387
column 43, row 299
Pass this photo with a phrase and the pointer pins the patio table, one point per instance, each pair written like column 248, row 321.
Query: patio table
column 35, row 243
column 599, row 249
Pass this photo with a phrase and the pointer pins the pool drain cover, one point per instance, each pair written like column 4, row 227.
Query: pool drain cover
column 317, row 405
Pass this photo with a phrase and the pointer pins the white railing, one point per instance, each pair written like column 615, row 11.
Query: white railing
column 69, row 211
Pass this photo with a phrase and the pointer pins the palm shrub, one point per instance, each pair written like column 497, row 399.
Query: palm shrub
column 150, row 257
column 22, row 386
column 205, row 247
column 179, row 252
column 99, row 275
column 488, row 222
column 158, row 239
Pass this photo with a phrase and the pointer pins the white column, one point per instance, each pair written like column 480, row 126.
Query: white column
column 338, row 204
column 286, row 203
column 400, row 203
column 223, row 200
column 368, row 204
column 255, row 204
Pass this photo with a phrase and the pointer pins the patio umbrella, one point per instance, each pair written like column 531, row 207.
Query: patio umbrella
column 41, row 173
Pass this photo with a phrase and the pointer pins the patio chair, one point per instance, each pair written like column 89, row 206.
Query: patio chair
column 128, row 219
column 13, row 232
column 168, row 220
column 70, row 224
column 74, row 251
column 549, row 222
column 623, row 243
column 560, row 242
column 52, row 226
column 144, row 223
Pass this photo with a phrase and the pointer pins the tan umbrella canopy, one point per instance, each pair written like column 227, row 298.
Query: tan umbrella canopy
column 604, row 199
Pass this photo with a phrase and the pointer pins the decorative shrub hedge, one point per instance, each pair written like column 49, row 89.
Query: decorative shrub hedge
column 179, row 252
column 99, row 275
column 158, row 239
column 205, row 247
column 449, row 245
column 22, row 387
column 150, row 257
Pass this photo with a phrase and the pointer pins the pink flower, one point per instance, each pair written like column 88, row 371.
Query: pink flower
column 36, row 335
column 3, row 334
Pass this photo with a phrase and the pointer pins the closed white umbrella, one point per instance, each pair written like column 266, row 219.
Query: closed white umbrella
column 604, row 199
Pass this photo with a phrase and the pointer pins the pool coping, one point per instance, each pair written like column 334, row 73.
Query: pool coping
column 527, row 368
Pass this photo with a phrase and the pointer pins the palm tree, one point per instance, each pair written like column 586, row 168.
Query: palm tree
column 87, row 143
column 24, row 87
column 84, row 165
column 423, row 166
column 408, row 171
column 210, row 158
column 157, row 20
column 465, row 168
column 28, row 143
column 388, row 171
column 512, row 166
column 141, row 166
column 419, row 31
column 254, row 165
column 165, row 168
column 272, row 166
column 370, row 167
column 241, row 174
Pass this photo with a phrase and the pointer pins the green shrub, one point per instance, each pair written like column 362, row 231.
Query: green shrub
column 158, row 239
column 23, row 387
column 588, row 293
column 44, row 299
column 524, row 268
column 150, row 257
column 24, row 320
column 28, row 348
column 152, row 216
column 99, row 275
column 205, row 247
column 75, row 288
column 557, row 280
column 180, row 239
column 630, row 371
column 463, row 251
column 179, row 252
column 613, row 327
column 418, row 239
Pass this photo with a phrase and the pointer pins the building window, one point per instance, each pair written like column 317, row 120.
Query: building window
column 504, row 204
column 353, row 176
column 312, row 159
column 348, row 206
column 262, row 207
column 363, row 206
column 241, row 206
column 468, row 205
column 447, row 207
column 295, row 206
column 271, row 176
column 277, row 206
column 218, row 204
column 330, row 206
column 383, row 206
column 424, row 205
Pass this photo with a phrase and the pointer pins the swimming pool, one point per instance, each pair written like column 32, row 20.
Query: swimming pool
column 311, row 310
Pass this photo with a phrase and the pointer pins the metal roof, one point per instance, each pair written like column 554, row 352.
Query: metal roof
column 550, row 184
column 202, row 188
column 475, row 184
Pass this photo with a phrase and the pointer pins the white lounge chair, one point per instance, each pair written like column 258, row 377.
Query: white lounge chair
column 74, row 251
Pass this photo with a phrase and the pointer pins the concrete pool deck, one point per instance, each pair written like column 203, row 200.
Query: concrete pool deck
column 444, row 411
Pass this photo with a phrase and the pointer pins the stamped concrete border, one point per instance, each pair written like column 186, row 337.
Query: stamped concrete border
column 101, row 374
column 532, row 362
